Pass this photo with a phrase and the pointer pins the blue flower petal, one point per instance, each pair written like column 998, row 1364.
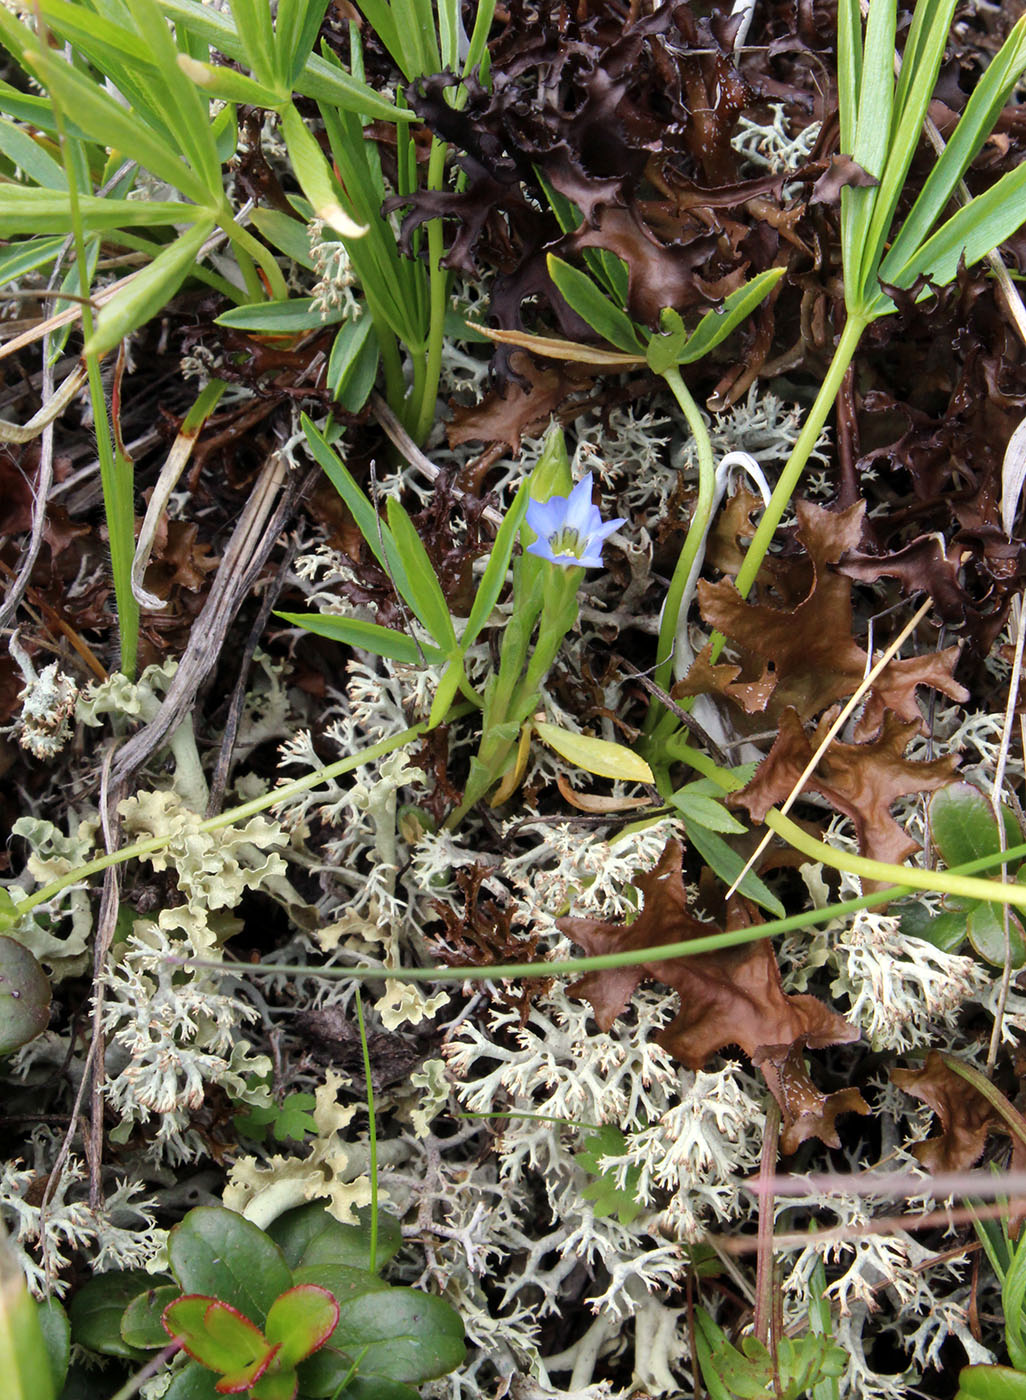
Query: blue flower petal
column 580, row 514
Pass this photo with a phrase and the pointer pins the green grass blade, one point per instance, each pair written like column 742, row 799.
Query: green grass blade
column 422, row 590
column 383, row 641
column 26, row 257
column 592, row 306
column 975, row 125
column 296, row 30
column 149, row 290
column 227, row 84
column 478, row 50
column 382, row 20
column 315, row 176
column 849, row 69
column 449, row 34
column 95, row 35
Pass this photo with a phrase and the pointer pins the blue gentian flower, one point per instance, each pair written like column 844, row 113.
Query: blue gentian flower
column 570, row 529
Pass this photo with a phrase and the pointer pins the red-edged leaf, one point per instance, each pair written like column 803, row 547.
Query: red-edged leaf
column 301, row 1320
column 246, row 1377
column 214, row 1334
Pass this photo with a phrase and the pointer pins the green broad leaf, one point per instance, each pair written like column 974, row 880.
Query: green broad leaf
column 309, row 1235
column 149, row 290
column 217, row 1252
column 301, row 1320
column 229, row 85
column 705, row 811
column 193, row 1382
column 400, row 1334
column 715, row 326
column 963, row 827
column 594, row 307
column 30, row 1366
column 95, row 1312
column 494, row 576
column 275, row 1385
column 665, row 349
column 314, row 174
column 290, row 317
column 24, row 996
column 346, row 352
column 142, row 1323
column 25, row 211
column 607, row 1197
column 290, row 236
column 991, row 1383
column 423, row 591
column 725, row 862
column 215, row 1334
column 597, row 756
column 369, row 636
column 341, row 1280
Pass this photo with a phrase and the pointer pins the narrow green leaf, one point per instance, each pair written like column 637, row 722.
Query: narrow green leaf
column 715, row 326
column 29, row 156
column 290, row 317
column 706, row 811
column 975, row 124
column 368, row 522
column 353, row 631
column 25, row 257
column 849, row 69
column 149, row 291
column 727, row 864
column 96, row 35
column 228, row 84
column 24, row 1361
column 424, row 594
column 927, row 40
column 290, row 236
column 24, row 210
column 345, row 353
column 253, row 26
column 597, row 756
column 969, row 235
column 314, row 175
column 106, row 121
column 592, row 306
column 296, row 28
column 494, row 576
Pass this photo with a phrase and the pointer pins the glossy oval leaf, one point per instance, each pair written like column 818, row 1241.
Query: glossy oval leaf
column 597, row 756
column 401, row 1334
column 963, row 827
column 217, row 1252
column 142, row 1322
column 309, row 1235
column 24, row 996
column 985, row 927
column 95, row 1312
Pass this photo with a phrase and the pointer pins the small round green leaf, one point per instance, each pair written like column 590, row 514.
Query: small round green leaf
column 141, row 1322
column 301, row 1320
column 96, row 1311
column 991, row 1383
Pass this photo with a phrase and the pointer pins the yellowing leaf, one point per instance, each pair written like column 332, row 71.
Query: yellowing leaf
column 595, row 755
